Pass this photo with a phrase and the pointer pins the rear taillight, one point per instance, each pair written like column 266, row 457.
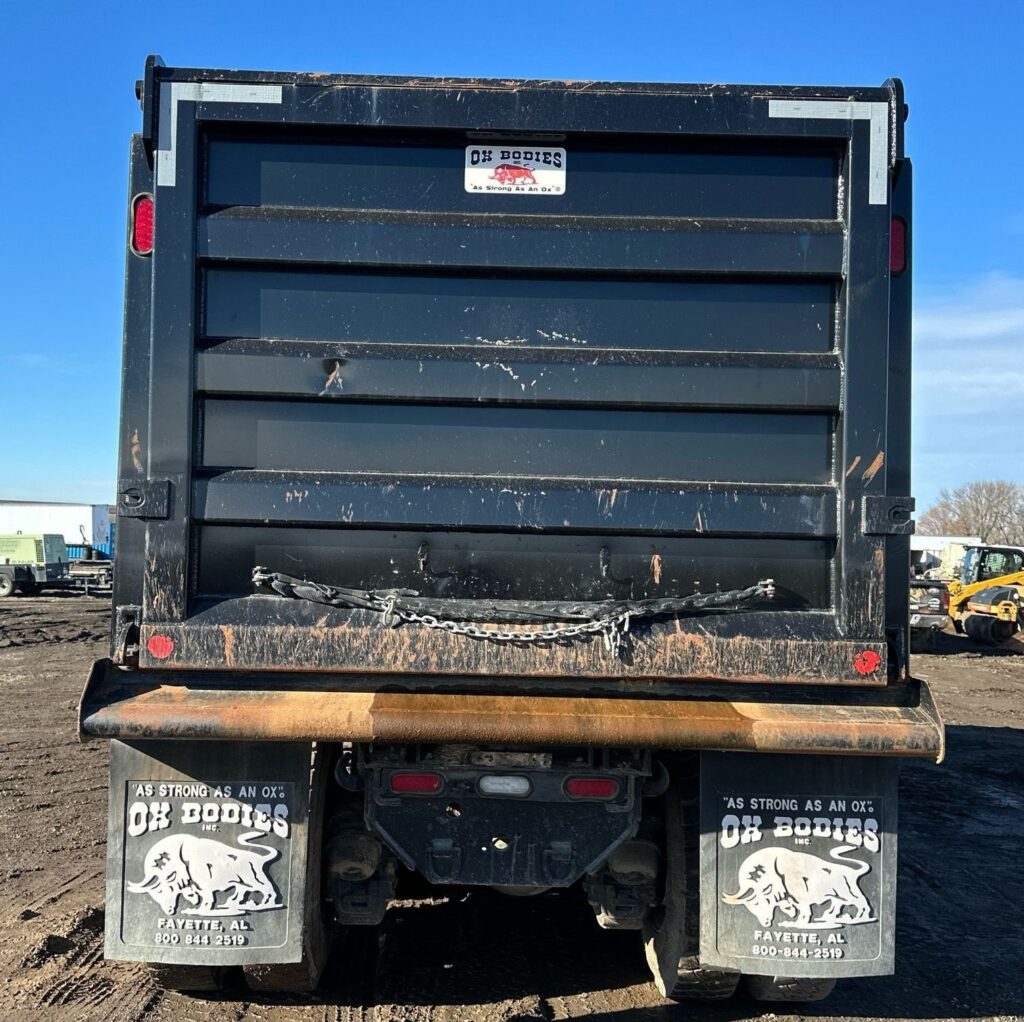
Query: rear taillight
column 592, row 787
column 897, row 245
column 143, row 219
column 416, row 783
column 944, row 596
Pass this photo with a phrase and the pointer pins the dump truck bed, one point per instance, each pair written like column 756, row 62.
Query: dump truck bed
column 664, row 356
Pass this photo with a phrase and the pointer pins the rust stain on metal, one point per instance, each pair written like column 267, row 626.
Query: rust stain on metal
column 135, row 450
column 662, row 650
column 229, row 645
column 656, row 568
column 853, row 465
column 872, row 470
column 113, row 709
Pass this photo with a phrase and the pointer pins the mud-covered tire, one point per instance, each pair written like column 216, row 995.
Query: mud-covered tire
column 304, row 977
column 796, row 990
column 671, row 930
column 7, row 586
column 194, row 979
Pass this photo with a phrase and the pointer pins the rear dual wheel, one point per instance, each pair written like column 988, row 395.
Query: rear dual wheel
column 303, row 977
column 788, row 988
column 195, row 979
column 672, row 930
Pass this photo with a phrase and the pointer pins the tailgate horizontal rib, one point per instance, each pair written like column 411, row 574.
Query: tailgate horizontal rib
column 129, row 705
column 479, row 373
column 355, row 499
column 258, row 234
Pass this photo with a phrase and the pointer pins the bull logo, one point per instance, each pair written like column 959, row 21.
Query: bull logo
column 198, row 870
column 796, row 883
column 513, row 174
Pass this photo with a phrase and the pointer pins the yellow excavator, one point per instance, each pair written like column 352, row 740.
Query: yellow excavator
column 987, row 601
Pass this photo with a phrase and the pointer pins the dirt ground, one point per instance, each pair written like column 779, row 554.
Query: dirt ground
column 960, row 941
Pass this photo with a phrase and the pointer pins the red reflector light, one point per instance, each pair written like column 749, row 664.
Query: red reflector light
column 160, row 646
column 897, row 245
column 591, row 787
column 867, row 661
column 143, row 219
column 416, row 784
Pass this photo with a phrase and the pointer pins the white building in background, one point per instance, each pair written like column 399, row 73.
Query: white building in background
column 942, row 554
column 77, row 523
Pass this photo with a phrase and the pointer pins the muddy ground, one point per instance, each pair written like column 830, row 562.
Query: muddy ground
column 960, row 943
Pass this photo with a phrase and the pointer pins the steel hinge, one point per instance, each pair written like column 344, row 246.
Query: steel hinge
column 125, row 647
column 144, row 498
column 882, row 515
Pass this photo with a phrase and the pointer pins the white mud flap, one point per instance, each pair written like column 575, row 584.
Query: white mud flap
column 798, row 864
column 206, row 852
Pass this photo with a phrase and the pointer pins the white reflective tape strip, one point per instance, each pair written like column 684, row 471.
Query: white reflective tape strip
column 198, row 92
column 839, row 110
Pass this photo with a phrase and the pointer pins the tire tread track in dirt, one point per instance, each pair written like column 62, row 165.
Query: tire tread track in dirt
column 481, row 956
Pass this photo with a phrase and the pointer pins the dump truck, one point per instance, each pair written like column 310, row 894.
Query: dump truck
column 513, row 493
column 31, row 561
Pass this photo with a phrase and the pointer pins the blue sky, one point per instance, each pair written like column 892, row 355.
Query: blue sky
column 67, row 109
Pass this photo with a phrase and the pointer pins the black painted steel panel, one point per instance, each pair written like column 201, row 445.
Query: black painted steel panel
column 514, row 566
column 339, row 355
column 406, row 172
column 624, row 312
column 515, row 442
column 564, row 245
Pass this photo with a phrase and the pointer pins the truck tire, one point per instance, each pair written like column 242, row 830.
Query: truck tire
column 788, row 988
column 671, row 931
column 194, row 979
column 7, row 586
column 304, row 977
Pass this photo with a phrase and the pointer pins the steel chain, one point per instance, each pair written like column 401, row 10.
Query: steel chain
column 612, row 629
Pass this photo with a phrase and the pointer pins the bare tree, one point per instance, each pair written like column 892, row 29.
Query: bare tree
column 992, row 509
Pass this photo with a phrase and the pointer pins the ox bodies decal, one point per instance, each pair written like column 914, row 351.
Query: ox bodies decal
column 511, row 169
column 797, row 869
column 207, row 865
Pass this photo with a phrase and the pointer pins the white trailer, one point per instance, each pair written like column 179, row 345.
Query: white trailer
column 77, row 523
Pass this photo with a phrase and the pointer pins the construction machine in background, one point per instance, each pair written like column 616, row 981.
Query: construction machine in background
column 987, row 601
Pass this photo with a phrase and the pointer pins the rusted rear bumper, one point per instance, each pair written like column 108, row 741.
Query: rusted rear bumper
column 140, row 704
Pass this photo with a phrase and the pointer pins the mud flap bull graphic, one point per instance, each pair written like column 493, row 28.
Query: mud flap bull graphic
column 197, row 870
column 796, row 883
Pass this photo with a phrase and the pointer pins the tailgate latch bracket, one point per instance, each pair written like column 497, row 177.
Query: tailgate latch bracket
column 144, row 498
column 883, row 515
